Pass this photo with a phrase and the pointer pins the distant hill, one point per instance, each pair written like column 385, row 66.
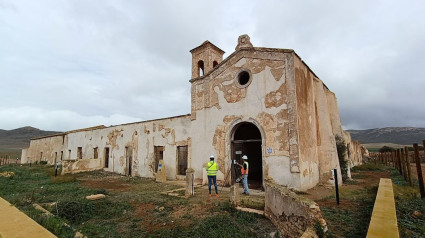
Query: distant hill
column 20, row 138
column 397, row 135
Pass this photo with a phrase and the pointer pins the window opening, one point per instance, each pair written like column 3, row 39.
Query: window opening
column 181, row 160
column 200, row 68
column 129, row 159
column 159, row 155
column 106, row 155
column 243, row 78
column 95, row 153
column 79, row 152
column 215, row 63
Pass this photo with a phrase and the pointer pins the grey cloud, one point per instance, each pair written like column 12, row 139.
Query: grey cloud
column 110, row 61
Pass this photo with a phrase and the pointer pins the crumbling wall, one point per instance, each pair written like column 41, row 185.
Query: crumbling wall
column 291, row 214
column 326, row 144
column 219, row 103
column 140, row 138
column 44, row 149
column 77, row 166
column 306, row 125
column 356, row 153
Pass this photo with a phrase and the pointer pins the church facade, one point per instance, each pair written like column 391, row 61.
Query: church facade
column 265, row 103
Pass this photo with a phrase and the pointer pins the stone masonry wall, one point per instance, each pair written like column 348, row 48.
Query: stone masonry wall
column 291, row 214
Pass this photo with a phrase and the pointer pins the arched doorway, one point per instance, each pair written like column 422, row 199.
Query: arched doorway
column 246, row 140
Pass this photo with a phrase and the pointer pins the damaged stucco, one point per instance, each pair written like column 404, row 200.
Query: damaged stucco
column 295, row 113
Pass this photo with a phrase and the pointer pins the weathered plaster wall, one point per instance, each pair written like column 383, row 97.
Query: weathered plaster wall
column 208, row 54
column 307, row 125
column 220, row 103
column 50, row 147
column 140, row 138
column 24, row 158
column 295, row 113
column 326, row 145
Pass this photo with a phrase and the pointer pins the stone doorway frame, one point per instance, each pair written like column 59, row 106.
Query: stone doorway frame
column 229, row 136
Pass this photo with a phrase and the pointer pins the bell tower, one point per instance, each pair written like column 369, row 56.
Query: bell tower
column 204, row 58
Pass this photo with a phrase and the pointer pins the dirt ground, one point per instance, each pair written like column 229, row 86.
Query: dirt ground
column 362, row 180
column 152, row 213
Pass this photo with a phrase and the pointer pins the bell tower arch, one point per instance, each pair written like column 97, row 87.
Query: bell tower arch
column 204, row 58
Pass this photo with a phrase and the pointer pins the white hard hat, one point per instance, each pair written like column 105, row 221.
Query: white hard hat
column 244, row 157
column 211, row 156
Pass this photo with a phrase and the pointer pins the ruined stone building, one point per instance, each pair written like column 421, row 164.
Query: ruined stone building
column 262, row 102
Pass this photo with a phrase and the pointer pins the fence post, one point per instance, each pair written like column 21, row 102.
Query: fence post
column 386, row 159
column 395, row 159
column 392, row 159
column 400, row 169
column 403, row 165
column 409, row 170
column 400, row 155
column 419, row 169
column 404, row 162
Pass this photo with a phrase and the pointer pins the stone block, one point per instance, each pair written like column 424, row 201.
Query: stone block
column 95, row 197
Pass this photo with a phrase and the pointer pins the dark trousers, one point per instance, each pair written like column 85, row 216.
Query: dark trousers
column 212, row 179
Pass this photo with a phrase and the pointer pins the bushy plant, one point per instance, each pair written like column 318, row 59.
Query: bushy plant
column 342, row 151
column 385, row 149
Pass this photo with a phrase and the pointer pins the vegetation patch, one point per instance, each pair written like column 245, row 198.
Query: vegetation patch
column 408, row 201
column 133, row 207
column 352, row 217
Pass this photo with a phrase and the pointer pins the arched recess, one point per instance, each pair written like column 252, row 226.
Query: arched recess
column 246, row 138
column 200, row 68
column 215, row 63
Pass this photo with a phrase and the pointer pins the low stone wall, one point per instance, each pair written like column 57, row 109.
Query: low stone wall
column 293, row 215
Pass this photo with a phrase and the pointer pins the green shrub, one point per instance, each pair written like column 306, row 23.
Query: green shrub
column 342, row 151
column 386, row 149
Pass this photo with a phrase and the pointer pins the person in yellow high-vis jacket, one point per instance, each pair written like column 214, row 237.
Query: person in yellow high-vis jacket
column 212, row 168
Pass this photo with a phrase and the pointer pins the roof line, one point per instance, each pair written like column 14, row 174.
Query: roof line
column 104, row 127
column 204, row 44
column 239, row 50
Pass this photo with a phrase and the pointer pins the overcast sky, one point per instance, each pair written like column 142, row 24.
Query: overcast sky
column 68, row 64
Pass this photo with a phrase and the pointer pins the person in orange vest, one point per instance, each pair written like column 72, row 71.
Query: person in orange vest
column 212, row 168
column 244, row 173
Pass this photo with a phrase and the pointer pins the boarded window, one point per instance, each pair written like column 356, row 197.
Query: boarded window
column 159, row 155
column 106, row 155
column 95, row 153
column 79, row 152
column 181, row 160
